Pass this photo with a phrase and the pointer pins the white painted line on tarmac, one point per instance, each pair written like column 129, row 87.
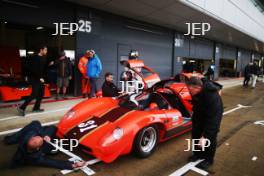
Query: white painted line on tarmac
column 85, row 168
column 17, row 129
column 191, row 165
column 239, row 106
column 34, row 114
column 200, row 171
column 260, row 122
column 187, row 167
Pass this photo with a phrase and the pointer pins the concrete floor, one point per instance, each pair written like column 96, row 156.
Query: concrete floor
column 239, row 141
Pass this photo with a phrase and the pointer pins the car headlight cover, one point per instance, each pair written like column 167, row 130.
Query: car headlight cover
column 70, row 114
column 118, row 133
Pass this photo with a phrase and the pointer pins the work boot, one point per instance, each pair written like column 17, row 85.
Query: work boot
column 205, row 164
column 20, row 111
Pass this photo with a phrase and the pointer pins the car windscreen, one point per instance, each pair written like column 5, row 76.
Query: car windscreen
column 125, row 102
column 176, row 103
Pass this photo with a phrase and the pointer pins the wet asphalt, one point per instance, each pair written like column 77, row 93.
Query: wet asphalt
column 240, row 150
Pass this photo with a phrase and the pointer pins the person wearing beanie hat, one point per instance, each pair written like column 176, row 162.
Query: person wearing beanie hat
column 206, row 119
column 64, row 74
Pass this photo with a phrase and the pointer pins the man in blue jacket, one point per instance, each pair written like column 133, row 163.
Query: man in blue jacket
column 94, row 68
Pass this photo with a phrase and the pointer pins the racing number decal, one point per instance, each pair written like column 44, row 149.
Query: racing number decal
column 84, row 128
column 87, row 125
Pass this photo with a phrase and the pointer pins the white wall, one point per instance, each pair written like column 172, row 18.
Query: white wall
column 239, row 14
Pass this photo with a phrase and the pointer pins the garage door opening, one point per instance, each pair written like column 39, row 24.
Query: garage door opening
column 196, row 65
column 227, row 68
column 19, row 43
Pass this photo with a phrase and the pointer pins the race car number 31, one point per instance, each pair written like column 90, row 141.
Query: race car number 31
column 87, row 125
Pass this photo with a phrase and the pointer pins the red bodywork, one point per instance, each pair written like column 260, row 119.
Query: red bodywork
column 9, row 93
column 93, row 121
column 148, row 76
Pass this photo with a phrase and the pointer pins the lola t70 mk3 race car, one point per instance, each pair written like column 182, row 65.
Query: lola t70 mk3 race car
column 109, row 127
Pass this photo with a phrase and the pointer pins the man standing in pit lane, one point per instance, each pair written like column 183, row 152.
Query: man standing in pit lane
column 64, row 74
column 82, row 66
column 255, row 72
column 206, row 119
column 94, row 68
column 36, row 78
column 247, row 73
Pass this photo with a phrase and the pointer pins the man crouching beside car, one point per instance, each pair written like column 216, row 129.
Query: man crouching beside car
column 33, row 147
column 206, row 119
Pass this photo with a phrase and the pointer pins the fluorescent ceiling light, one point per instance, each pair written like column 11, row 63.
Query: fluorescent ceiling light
column 70, row 54
column 39, row 27
column 22, row 52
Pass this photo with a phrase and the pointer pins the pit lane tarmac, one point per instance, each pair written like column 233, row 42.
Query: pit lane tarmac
column 240, row 146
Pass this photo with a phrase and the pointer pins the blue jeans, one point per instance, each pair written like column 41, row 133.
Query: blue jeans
column 93, row 82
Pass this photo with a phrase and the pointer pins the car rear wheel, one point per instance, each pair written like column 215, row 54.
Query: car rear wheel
column 146, row 141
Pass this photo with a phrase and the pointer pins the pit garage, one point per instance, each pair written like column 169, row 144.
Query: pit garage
column 18, row 44
column 228, row 62
column 228, row 68
column 197, row 65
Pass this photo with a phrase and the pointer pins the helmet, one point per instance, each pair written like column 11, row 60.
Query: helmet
column 134, row 54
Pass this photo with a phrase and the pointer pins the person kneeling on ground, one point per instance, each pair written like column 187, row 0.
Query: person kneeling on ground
column 33, row 148
column 109, row 88
column 206, row 119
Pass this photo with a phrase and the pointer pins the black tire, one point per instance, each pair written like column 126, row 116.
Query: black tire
column 150, row 135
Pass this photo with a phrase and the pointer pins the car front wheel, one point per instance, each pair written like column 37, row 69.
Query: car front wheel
column 146, row 141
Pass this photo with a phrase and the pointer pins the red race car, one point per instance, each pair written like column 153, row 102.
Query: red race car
column 110, row 127
column 16, row 90
column 140, row 72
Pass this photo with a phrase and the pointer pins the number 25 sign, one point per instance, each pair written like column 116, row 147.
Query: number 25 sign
column 70, row 28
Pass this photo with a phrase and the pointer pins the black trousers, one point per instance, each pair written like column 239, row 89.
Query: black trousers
column 246, row 80
column 37, row 93
column 38, row 157
column 209, row 152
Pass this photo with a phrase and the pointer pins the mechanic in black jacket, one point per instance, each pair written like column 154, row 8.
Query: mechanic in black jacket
column 109, row 89
column 33, row 148
column 206, row 118
column 247, row 73
column 36, row 77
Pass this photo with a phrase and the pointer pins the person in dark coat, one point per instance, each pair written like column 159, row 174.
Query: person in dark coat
column 255, row 73
column 36, row 78
column 109, row 88
column 206, row 118
column 64, row 74
column 247, row 74
column 33, row 148
column 210, row 73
